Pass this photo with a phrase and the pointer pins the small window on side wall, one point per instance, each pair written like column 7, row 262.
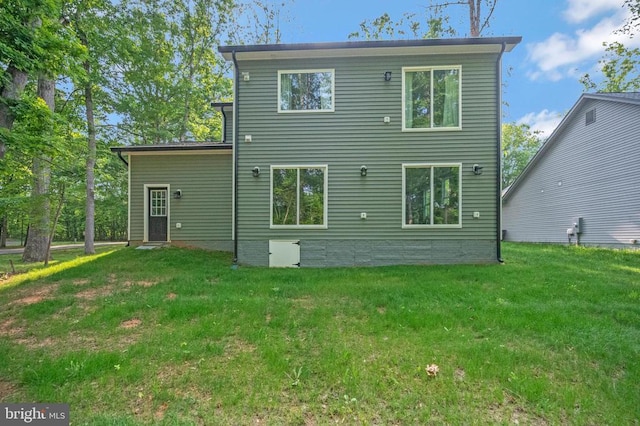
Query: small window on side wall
column 306, row 91
column 590, row 117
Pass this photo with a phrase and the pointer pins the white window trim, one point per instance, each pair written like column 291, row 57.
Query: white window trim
column 307, row 71
column 147, row 187
column 326, row 195
column 405, row 166
column 404, row 107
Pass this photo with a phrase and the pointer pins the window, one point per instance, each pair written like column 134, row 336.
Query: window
column 299, row 196
column 590, row 117
column 304, row 91
column 158, row 202
column 431, row 195
column 431, row 98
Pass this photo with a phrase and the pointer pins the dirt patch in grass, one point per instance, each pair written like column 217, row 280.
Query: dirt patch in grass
column 238, row 346
column 31, row 295
column 33, row 343
column 6, row 389
column 8, row 328
column 145, row 284
column 159, row 414
column 172, row 296
column 510, row 411
column 94, row 293
column 305, row 302
column 132, row 323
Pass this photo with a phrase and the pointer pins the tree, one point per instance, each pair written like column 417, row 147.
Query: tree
column 620, row 65
column 477, row 23
column 519, row 145
column 437, row 22
column 20, row 47
column 37, row 246
column 633, row 22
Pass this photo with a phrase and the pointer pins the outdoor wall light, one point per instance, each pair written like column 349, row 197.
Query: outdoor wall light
column 477, row 169
column 177, row 194
column 246, row 76
column 256, row 171
column 387, row 76
column 363, row 170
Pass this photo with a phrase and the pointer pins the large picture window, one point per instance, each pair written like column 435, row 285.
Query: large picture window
column 304, row 91
column 431, row 98
column 299, row 196
column 431, row 195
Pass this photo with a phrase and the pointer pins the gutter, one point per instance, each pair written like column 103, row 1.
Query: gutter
column 236, row 121
column 499, row 154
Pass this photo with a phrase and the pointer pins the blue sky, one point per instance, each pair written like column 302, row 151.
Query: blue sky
column 562, row 40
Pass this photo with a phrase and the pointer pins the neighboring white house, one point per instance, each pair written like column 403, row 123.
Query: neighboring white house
column 584, row 183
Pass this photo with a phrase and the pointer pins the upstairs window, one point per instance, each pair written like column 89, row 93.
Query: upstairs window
column 431, row 98
column 590, row 117
column 306, row 91
column 431, row 195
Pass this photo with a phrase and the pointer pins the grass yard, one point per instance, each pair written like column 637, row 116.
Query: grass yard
column 175, row 336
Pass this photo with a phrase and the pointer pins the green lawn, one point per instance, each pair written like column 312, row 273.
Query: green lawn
column 176, row 336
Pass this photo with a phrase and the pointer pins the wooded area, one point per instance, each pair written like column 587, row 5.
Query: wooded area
column 77, row 77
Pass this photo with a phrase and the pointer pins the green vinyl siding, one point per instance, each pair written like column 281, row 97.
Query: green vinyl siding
column 205, row 208
column 355, row 135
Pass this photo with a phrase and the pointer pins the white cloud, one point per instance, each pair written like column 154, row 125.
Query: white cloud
column 582, row 10
column 544, row 121
column 562, row 54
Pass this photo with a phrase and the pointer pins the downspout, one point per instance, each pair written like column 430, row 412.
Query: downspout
column 122, row 158
column 224, row 124
column 499, row 154
column 128, row 191
column 236, row 121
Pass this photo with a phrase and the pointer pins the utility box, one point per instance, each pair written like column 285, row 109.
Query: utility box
column 578, row 225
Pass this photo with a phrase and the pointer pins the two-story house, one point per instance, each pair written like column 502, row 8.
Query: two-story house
column 340, row 154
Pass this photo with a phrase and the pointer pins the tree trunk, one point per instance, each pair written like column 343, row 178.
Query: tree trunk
column 10, row 94
column 474, row 17
column 37, row 245
column 89, row 225
column 55, row 223
column 3, row 231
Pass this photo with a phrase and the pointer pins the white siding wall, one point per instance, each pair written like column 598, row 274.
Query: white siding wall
column 591, row 171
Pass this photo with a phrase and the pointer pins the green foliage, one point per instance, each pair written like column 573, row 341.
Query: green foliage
column 631, row 25
column 167, row 69
column 23, row 41
column 408, row 26
column 519, row 145
column 437, row 23
column 621, row 70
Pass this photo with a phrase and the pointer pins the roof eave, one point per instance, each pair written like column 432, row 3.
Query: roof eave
column 371, row 48
column 171, row 147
